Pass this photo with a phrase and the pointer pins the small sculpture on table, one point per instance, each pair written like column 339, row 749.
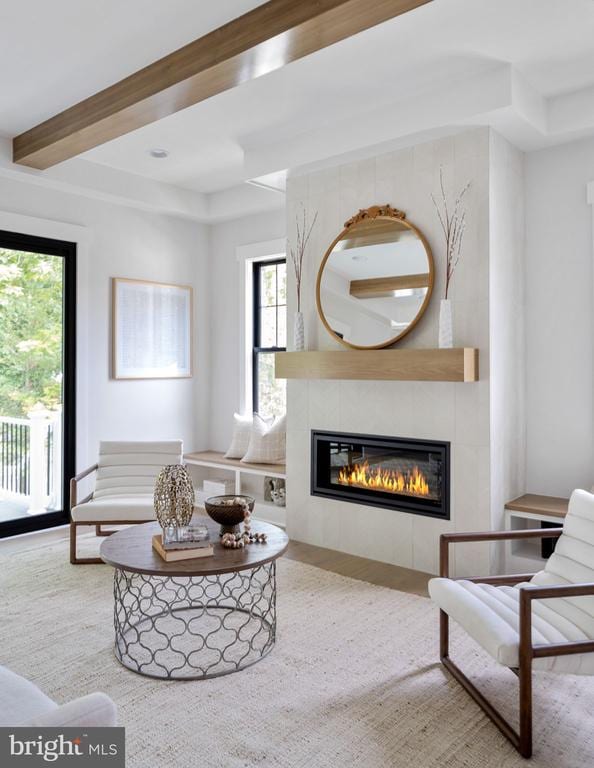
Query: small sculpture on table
column 174, row 500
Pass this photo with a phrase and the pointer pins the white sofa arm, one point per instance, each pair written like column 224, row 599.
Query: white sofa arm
column 96, row 709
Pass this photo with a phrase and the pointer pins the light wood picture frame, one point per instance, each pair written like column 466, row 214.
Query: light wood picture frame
column 152, row 329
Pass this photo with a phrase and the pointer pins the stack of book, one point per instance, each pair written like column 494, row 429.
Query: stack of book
column 194, row 543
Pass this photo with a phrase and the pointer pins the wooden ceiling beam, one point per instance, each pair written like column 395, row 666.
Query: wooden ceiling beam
column 381, row 287
column 261, row 41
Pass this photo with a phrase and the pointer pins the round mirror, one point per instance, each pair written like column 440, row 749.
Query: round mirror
column 375, row 280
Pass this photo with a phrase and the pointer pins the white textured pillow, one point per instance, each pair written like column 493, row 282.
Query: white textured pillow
column 242, row 430
column 267, row 442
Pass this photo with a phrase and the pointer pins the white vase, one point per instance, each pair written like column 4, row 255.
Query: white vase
column 446, row 338
column 298, row 332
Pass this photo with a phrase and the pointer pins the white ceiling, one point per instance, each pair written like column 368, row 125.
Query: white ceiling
column 524, row 66
column 378, row 260
column 57, row 53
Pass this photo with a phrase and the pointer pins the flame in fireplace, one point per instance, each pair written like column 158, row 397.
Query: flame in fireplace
column 412, row 482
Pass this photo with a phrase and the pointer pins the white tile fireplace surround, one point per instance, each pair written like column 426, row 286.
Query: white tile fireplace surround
column 483, row 421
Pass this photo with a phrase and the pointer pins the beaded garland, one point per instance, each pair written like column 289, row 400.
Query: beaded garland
column 239, row 540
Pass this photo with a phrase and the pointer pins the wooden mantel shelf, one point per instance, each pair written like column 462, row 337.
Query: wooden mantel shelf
column 460, row 364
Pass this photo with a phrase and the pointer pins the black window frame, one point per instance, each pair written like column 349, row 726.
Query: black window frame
column 67, row 251
column 256, row 324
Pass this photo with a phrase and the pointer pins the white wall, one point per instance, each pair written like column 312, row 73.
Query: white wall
column 559, row 319
column 458, row 413
column 506, row 328
column 225, row 326
column 126, row 243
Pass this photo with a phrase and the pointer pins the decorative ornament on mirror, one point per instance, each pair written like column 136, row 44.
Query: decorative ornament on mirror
column 375, row 280
column 303, row 234
column 173, row 500
column 452, row 219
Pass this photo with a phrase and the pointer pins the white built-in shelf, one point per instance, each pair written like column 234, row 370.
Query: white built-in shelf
column 263, row 510
column 458, row 364
column 218, row 460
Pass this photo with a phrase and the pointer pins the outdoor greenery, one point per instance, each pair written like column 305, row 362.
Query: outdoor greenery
column 30, row 331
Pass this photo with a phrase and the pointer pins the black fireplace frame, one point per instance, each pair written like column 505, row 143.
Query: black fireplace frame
column 379, row 498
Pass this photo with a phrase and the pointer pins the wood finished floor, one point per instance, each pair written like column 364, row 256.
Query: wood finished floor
column 381, row 574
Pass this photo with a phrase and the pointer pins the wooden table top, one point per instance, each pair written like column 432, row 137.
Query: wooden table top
column 131, row 550
column 553, row 506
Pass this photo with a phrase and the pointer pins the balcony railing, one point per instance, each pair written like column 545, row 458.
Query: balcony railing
column 31, row 459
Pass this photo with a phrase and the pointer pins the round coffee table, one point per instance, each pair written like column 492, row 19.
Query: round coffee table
column 197, row 618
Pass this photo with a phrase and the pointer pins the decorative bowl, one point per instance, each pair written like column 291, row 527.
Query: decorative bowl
column 226, row 514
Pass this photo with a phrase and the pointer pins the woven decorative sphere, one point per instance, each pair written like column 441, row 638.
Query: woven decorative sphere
column 174, row 496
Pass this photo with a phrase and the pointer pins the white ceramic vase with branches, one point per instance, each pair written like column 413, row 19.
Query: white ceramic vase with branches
column 452, row 218
column 303, row 235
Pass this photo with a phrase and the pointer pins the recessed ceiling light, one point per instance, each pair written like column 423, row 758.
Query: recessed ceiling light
column 160, row 154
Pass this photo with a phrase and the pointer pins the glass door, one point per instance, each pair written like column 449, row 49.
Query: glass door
column 37, row 381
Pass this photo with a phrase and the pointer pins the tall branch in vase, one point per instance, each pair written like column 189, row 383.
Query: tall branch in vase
column 453, row 224
column 304, row 230
column 297, row 254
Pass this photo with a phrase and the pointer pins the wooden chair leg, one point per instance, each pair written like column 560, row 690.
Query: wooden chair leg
column 525, row 678
column 73, row 542
column 444, row 635
column 74, row 559
column 522, row 741
column 100, row 532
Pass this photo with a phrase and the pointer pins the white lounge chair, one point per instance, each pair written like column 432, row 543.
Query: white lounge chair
column 22, row 703
column 124, row 486
column 543, row 621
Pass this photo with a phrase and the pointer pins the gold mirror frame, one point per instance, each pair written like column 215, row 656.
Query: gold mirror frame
column 366, row 214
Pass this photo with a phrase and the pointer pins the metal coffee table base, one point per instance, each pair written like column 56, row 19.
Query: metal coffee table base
column 196, row 627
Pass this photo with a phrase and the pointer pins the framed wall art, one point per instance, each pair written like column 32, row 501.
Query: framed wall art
column 151, row 330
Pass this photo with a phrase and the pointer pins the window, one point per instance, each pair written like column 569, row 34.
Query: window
column 269, row 335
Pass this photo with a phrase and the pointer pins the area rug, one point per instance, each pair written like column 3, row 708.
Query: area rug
column 352, row 681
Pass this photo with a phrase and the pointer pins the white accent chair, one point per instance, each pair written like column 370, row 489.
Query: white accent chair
column 542, row 621
column 124, row 487
column 22, row 703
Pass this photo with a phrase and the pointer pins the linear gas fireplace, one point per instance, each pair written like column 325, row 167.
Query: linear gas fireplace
column 393, row 472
